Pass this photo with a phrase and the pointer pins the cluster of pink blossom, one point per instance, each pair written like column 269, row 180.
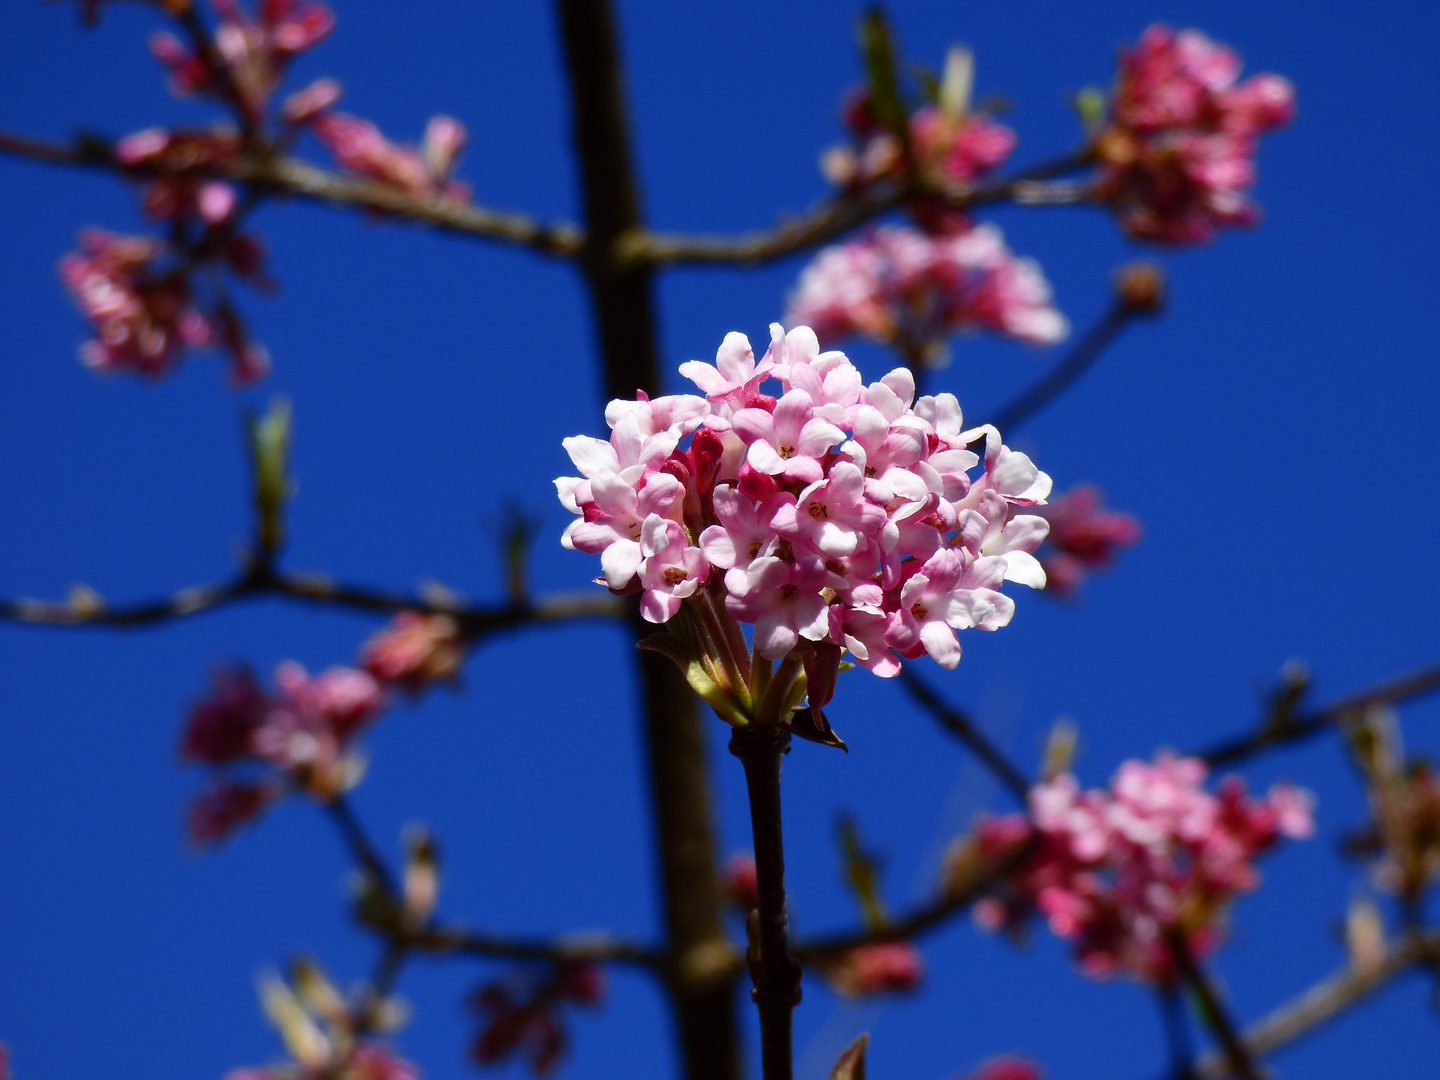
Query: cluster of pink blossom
column 834, row 515
column 321, row 1033
column 414, row 650
column 1084, row 536
column 1118, row 871
column 360, row 148
column 521, row 1014
column 1179, row 149
column 252, row 52
column 185, row 187
column 946, row 146
column 883, row 967
column 297, row 738
column 145, row 314
column 1007, row 1068
column 911, row 289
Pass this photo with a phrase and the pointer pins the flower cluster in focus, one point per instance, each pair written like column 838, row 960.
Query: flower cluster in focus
column 1122, row 871
column 1178, row 152
column 911, row 289
column 262, row 744
column 831, row 515
column 521, row 1014
column 325, row 1035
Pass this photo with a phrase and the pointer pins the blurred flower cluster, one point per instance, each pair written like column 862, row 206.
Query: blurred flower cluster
column 1127, row 871
column 1177, row 153
column 1084, row 536
column 521, row 1013
column 1402, row 838
column 262, row 744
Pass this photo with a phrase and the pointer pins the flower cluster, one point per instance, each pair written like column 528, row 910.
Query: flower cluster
column 1084, row 536
column 415, row 650
column 1006, row 1068
column 360, row 148
column 145, row 314
column 911, row 289
column 521, row 1013
column 878, row 968
column 831, row 516
column 248, row 55
column 322, row 1032
column 263, row 744
column 949, row 143
column 1119, row 871
column 1178, row 152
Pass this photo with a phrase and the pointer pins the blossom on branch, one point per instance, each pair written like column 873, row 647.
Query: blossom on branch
column 1402, row 838
column 1083, row 537
column 912, row 289
column 324, row 1034
column 359, row 147
column 1121, row 870
column 414, row 650
column 522, row 1013
column 830, row 515
column 1178, row 152
column 261, row 744
column 1007, row 1068
column 877, row 968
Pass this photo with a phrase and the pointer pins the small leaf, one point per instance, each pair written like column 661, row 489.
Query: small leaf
column 810, row 724
column 850, row 1065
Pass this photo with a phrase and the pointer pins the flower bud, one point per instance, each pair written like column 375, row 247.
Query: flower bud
column 1140, row 288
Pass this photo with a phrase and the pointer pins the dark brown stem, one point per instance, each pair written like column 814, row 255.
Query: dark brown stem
column 1059, row 378
column 777, row 982
column 1213, row 1009
column 361, row 849
column 964, row 729
column 701, row 970
column 1391, row 692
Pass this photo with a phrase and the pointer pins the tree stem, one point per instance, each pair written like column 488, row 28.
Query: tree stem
column 777, row 982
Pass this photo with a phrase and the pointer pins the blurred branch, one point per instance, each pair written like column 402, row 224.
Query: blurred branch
column 475, row 621
column 289, row 176
column 1238, row 1056
column 1285, row 725
column 1060, row 377
column 1323, row 1001
column 966, row 730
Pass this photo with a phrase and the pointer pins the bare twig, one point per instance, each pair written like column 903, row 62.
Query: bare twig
column 965, row 729
column 572, row 948
column 1323, row 1001
column 1059, row 378
column 475, row 621
column 290, row 176
column 1293, row 728
column 1239, row 1057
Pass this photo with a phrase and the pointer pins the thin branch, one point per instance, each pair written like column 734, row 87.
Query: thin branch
column 1323, row 1001
column 1293, row 728
column 574, row 948
column 1059, row 378
column 923, row 918
column 475, row 621
column 1238, row 1056
column 290, row 176
column 360, row 847
column 965, row 729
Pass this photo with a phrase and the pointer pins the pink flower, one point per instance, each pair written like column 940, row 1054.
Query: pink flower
column 186, row 161
column 521, row 1014
column 913, row 289
column 783, row 600
column 1083, row 537
column 884, row 967
column 143, row 317
column 746, row 532
column 831, row 516
column 740, row 882
column 259, row 744
column 1118, row 870
column 359, row 147
column 673, row 568
column 415, row 649
column 790, row 441
column 1178, row 154
column 1007, row 1068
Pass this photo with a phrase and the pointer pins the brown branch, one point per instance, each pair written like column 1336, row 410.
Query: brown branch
column 1059, row 378
column 1293, row 728
column 966, row 730
column 566, row 949
column 1238, row 1056
column 475, row 621
column 290, row 176
column 1323, row 1001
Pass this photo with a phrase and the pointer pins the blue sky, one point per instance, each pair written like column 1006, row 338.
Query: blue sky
column 1275, row 432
